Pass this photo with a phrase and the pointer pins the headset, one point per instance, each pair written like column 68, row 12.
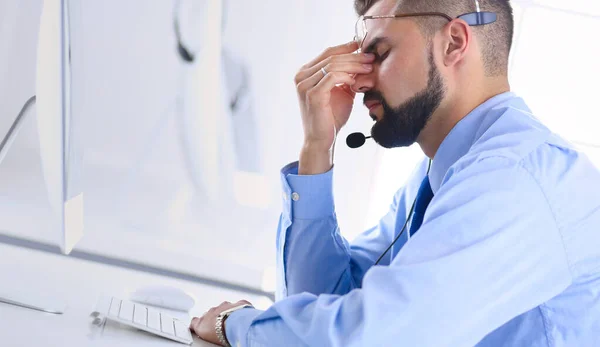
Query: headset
column 412, row 209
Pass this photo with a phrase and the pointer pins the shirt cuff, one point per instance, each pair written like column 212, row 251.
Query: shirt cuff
column 307, row 196
column 238, row 324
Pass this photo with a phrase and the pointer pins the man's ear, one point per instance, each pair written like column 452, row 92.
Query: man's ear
column 457, row 39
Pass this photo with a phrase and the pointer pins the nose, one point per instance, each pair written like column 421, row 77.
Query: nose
column 363, row 83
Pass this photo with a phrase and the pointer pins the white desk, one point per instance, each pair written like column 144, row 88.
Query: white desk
column 79, row 283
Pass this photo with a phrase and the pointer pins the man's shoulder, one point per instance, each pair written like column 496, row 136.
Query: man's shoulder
column 516, row 138
column 518, row 142
column 514, row 134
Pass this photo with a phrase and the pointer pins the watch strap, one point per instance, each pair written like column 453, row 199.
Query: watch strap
column 220, row 324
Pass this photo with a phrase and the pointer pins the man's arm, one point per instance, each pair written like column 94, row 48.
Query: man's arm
column 325, row 97
column 489, row 250
column 312, row 256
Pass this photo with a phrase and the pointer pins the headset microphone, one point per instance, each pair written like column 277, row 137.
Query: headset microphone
column 356, row 140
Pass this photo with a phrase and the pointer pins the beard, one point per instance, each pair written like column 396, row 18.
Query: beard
column 401, row 126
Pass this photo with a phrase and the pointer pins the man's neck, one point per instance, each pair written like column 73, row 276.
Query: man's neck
column 448, row 115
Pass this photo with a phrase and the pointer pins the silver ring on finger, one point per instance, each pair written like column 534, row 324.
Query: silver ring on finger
column 324, row 72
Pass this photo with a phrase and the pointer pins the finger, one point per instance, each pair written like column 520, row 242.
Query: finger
column 359, row 64
column 318, row 76
column 244, row 302
column 332, row 64
column 225, row 303
column 348, row 47
column 348, row 90
column 195, row 322
column 321, row 92
column 348, row 68
column 332, row 80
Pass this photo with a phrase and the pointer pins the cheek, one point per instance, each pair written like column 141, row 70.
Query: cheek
column 400, row 78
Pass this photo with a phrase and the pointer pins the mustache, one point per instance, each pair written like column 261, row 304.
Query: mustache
column 373, row 95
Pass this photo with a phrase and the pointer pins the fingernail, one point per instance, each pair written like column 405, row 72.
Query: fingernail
column 369, row 55
column 367, row 66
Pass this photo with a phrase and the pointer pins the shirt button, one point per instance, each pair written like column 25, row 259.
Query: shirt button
column 295, row 196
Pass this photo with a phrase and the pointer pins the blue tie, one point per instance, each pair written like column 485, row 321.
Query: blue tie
column 424, row 196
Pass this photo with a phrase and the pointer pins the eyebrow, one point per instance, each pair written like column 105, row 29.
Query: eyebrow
column 374, row 43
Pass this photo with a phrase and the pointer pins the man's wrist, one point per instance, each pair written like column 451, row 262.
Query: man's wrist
column 315, row 159
column 225, row 329
column 238, row 325
column 220, row 323
column 220, row 331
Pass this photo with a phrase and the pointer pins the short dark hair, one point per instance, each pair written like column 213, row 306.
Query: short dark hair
column 496, row 39
column 362, row 6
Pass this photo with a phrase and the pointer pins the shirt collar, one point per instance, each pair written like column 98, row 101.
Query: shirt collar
column 460, row 139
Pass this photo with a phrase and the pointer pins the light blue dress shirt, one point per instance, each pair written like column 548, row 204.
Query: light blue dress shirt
column 508, row 253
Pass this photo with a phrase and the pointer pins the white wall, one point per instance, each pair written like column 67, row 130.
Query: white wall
column 127, row 75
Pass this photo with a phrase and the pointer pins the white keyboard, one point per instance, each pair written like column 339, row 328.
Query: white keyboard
column 143, row 317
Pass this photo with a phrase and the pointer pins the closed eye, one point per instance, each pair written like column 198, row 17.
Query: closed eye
column 379, row 58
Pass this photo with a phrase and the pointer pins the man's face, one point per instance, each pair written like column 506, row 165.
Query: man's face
column 405, row 86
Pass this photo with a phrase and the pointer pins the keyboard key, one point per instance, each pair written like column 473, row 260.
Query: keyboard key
column 166, row 323
column 139, row 315
column 149, row 319
column 182, row 330
column 115, row 307
column 153, row 319
column 126, row 311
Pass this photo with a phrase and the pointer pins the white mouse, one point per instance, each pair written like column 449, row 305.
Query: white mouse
column 164, row 296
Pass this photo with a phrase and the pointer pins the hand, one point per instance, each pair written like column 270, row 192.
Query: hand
column 326, row 101
column 204, row 326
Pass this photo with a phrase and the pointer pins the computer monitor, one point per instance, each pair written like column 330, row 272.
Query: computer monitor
column 61, row 158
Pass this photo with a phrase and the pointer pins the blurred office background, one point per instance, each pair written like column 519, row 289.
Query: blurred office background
column 182, row 155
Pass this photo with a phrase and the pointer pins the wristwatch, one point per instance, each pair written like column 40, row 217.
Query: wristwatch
column 220, row 325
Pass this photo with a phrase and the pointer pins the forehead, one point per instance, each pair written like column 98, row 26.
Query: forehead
column 382, row 27
column 382, row 7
